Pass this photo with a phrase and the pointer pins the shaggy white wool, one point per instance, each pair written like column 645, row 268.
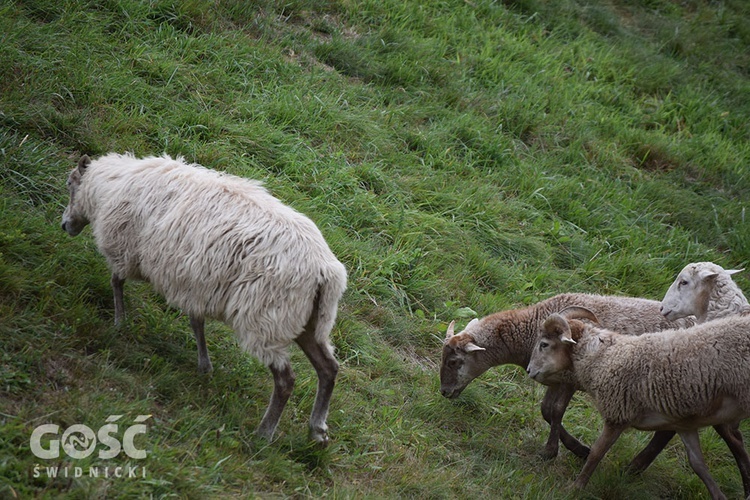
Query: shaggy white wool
column 214, row 245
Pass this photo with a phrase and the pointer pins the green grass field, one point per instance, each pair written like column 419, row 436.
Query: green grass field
column 461, row 157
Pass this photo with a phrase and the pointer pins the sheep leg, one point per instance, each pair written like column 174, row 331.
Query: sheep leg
column 197, row 323
column 552, row 416
column 695, row 457
column 117, row 289
column 554, row 404
column 733, row 437
column 283, row 383
column 601, row 446
column 650, row 452
column 327, row 368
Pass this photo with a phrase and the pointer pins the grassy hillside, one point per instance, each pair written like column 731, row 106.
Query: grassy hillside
column 461, row 157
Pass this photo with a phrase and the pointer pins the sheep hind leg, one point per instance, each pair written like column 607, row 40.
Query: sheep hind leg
column 283, row 383
column 641, row 461
column 695, row 457
column 327, row 368
column 554, row 404
column 731, row 434
column 197, row 323
column 118, row 292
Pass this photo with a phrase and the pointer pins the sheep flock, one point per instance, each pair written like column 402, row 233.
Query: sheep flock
column 222, row 247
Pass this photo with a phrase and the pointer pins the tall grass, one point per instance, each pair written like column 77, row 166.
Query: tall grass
column 460, row 158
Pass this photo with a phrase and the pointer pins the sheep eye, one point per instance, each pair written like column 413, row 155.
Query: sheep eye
column 682, row 283
column 543, row 345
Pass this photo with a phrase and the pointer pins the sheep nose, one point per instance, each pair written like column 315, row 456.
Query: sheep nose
column 449, row 393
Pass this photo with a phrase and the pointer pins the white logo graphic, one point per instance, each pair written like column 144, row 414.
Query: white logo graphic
column 80, row 441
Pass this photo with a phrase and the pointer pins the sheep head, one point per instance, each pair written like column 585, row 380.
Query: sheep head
column 73, row 219
column 690, row 292
column 461, row 360
column 552, row 353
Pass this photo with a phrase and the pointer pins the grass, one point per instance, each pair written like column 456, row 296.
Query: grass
column 459, row 157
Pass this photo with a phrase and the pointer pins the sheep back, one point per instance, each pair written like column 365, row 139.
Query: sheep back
column 627, row 315
column 657, row 380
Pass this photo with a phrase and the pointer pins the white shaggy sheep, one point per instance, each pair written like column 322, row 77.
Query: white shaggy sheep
column 670, row 380
column 705, row 290
column 217, row 246
column 508, row 337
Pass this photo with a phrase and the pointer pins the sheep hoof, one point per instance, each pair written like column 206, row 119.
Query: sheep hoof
column 205, row 368
column 581, row 452
column 549, row 454
column 320, row 436
column 264, row 434
column 577, row 485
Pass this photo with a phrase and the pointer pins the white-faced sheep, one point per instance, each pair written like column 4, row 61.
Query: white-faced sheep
column 705, row 290
column 508, row 337
column 664, row 381
column 217, row 246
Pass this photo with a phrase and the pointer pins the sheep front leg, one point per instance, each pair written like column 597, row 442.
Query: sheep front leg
column 197, row 323
column 283, row 383
column 603, row 443
column 117, row 289
column 695, row 457
column 327, row 368
column 554, row 404
column 733, row 437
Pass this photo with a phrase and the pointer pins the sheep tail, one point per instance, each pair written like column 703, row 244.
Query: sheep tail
column 331, row 288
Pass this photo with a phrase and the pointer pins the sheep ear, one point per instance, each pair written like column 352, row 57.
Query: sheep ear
column 471, row 347
column 705, row 274
column 472, row 323
column 449, row 333
column 575, row 331
column 557, row 325
column 83, row 163
column 734, row 271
